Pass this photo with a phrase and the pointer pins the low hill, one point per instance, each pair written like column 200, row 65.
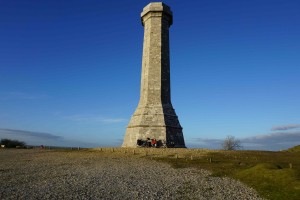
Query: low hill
column 294, row 149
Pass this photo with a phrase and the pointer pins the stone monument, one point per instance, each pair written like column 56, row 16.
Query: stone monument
column 154, row 116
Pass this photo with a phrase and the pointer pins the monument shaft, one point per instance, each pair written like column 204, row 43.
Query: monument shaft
column 155, row 116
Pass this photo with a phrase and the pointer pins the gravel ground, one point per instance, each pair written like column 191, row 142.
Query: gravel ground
column 41, row 174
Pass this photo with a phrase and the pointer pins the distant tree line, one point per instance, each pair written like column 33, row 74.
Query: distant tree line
column 12, row 143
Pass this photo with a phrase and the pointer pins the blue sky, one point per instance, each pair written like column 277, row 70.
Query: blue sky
column 70, row 71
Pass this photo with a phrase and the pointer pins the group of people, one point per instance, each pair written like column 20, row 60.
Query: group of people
column 147, row 143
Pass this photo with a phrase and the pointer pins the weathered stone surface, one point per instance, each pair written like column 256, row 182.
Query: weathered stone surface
column 155, row 116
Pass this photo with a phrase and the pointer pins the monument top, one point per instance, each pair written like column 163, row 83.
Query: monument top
column 158, row 7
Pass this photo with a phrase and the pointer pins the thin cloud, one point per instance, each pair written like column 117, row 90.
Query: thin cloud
column 207, row 141
column 93, row 118
column 275, row 138
column 285, row 127
column 79, row 118
column 38, row 138
column 204, row 143
column 272, row 141
column 23, row 133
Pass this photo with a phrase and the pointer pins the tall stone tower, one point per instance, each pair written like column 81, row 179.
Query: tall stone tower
column 155, row 116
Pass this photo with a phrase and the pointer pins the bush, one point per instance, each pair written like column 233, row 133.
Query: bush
column 12, row 143
column 230, row 143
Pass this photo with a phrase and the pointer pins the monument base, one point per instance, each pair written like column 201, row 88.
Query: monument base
column 152, row 122
column 165, row 137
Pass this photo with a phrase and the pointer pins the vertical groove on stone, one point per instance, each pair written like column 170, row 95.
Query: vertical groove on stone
column 154, row 116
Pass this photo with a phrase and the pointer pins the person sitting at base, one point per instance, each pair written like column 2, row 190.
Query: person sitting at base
column 139, row 142
column 148, row 142
column 153, row 142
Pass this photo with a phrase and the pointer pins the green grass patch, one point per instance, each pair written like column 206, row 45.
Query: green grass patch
column 294, row 149
column 272, row 180
column 274, row 175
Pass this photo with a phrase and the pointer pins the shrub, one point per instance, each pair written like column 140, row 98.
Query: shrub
column 12, row 143
column 230, row 143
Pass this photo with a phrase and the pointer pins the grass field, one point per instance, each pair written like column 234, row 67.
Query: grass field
column 274, row 175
